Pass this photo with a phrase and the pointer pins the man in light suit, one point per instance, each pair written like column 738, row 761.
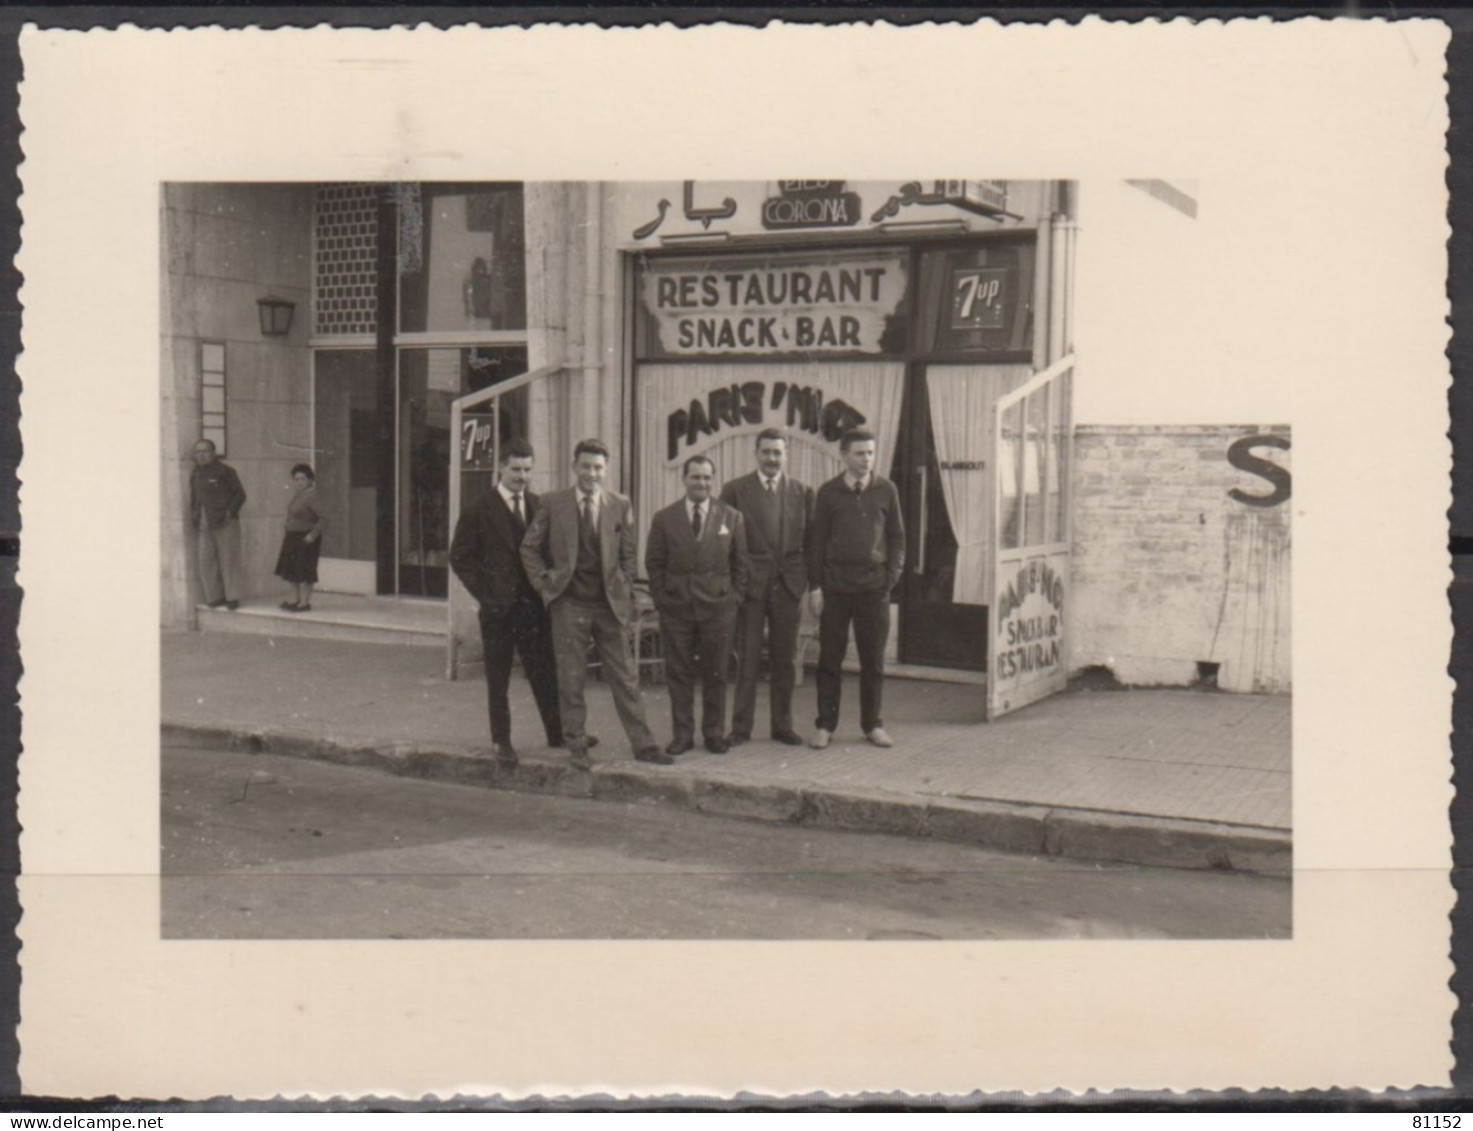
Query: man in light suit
column 486, row 555
column 580, row 554
column 697, row 561
column 777, row 510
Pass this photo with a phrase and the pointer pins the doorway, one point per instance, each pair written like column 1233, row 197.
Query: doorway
column 344, row 431
column 430, row 380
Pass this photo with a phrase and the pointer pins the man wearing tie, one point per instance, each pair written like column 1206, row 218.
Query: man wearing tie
column 580, row 553
column 697, row 561
column 777, row 511
column 856, row 552
column 486, row 555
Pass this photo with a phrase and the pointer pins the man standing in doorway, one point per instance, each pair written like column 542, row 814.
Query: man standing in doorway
column 486, row 555
column 580, row 554
column 697, row 561
column 777, row 511
column 215, row 499
column 856, row 553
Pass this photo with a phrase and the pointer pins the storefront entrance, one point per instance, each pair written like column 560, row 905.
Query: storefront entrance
column 925, row 342
column 944, row 472
column 397, row 540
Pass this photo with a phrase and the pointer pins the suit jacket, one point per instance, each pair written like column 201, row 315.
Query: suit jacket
column 691, row 579
column 789, row 565
column 486, row 552
column 550, row 549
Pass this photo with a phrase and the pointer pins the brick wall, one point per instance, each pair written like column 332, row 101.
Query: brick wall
column 1170, row 570
column 224, row 247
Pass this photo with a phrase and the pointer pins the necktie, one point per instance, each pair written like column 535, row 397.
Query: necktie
column 516, row 503
column 859, row 488
column 770, row 484
column 695, row 520
column 588, row 515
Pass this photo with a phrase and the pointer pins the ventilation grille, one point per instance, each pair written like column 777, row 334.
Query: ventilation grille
column 346, row 300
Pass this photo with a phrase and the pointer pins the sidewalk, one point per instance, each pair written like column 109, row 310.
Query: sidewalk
column 1171, row 777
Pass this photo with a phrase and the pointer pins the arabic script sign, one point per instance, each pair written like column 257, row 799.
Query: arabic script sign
column 833, row 304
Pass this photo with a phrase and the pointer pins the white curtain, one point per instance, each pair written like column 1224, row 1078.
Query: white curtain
column 872, row 388
column 961, row 417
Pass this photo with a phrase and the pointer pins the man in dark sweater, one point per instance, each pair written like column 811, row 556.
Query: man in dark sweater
column 215, row 499
column 856, row 552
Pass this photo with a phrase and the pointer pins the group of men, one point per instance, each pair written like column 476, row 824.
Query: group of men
column 554, row 578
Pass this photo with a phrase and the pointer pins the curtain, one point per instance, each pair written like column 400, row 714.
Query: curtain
column 871, row 389
column 961, row 416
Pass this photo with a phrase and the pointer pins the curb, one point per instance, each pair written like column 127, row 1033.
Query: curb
column 1039, row 830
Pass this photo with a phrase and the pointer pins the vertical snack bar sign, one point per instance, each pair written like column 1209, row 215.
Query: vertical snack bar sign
column 776, row 306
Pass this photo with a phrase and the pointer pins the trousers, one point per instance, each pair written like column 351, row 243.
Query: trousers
column 576, row 625
column 781, row 612
column 698, row 648
column 525, row 629
column 218, row 553
column 870, row 615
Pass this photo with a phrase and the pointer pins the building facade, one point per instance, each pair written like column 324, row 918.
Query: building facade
column 434, row 321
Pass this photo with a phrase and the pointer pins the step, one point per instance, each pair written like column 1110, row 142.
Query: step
column 357, row 621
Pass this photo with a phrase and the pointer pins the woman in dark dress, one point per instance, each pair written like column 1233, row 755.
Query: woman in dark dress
column 302, row 544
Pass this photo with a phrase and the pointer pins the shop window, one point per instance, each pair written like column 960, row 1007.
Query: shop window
column 212, row 394
column 462, row 259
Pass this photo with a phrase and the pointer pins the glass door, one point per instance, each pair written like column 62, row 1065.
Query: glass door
column 343, row 438
column 429, row 382
column 1033, row 429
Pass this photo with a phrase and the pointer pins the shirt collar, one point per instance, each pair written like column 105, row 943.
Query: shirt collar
column 510, row 495
column 691, row 505
column 850, row 481
column 775, row 480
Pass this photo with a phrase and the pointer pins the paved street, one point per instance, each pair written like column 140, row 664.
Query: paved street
column 261, row 846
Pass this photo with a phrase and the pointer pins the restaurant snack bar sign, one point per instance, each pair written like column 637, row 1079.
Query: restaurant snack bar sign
column 780, row 305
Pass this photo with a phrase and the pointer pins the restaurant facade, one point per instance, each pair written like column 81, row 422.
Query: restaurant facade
column 395, row 335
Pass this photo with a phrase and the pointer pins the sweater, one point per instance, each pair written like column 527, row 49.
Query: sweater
column 857, row 542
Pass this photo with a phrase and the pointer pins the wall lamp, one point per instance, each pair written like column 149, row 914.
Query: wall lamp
column 276, row 316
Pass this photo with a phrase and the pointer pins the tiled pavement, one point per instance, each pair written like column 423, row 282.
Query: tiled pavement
column 1188, row 755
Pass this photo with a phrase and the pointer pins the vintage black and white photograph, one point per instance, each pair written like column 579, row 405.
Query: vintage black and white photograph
column 571, row 561
column 706, row 560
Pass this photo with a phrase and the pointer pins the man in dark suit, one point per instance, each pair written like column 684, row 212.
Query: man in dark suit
column 696, row 557
column 856, row 552
column 777, row 511
column 580, row 553
column 486, row 555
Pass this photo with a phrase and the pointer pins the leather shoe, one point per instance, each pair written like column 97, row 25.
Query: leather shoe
column 787, row 737
column 562, row 743
column 820, row 739
column 655, row 755
column 678, row 747
column 716, row 744
column 735, row 739
column 580, row 759
column 505, row 754
column 880, row 738
column 231, row 606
